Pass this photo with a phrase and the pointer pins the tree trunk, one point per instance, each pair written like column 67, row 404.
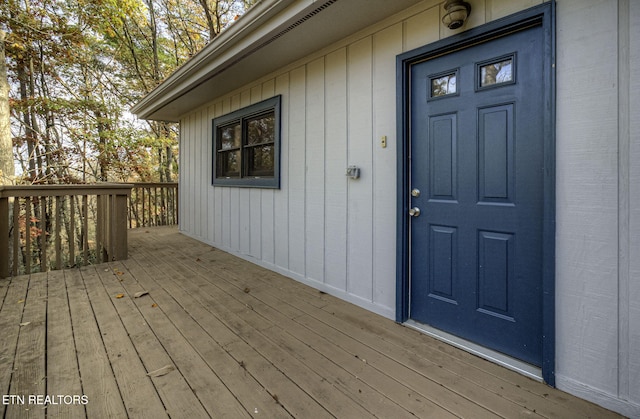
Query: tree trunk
column 7, row 170
column 154, row 41
column 104, row 156
column 210, row 23
column 30, row 132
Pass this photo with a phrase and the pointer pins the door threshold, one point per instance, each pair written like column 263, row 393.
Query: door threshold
column 506, row 361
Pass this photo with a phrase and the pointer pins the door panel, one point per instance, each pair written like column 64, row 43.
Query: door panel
column 442, row 164
column 476, row 155
column 495, row 142
column 443, row 261
column 495, row 272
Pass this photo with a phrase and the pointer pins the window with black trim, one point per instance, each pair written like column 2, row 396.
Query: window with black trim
column 443, row 84
column 246, row 146
column 496, row 72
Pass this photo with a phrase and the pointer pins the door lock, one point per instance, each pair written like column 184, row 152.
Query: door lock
column 415, row 192
column 414, row 212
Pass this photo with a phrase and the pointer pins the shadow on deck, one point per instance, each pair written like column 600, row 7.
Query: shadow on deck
column 181, row 329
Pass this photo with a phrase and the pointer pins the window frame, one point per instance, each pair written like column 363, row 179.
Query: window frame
column 242, row 116
column 514, row 71
column 435, row 76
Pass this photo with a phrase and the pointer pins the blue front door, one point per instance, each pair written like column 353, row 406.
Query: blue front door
column 476, row 179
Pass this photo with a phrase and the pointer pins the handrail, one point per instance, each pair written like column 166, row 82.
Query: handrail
column 45, row 213
column 60, row 190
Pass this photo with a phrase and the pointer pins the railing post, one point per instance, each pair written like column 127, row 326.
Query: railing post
column 72, row 231
column 100, row 228
column 27, row 234
column 16, row 235
column 58, row 242
column 4, row 236
column 85, row 229
column 119, row 239
column 43, row 234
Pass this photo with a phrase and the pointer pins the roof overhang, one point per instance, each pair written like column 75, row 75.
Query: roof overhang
column 272, row 34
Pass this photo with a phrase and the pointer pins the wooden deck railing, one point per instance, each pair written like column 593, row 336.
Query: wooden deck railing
column 153, row 204
column 45, row 227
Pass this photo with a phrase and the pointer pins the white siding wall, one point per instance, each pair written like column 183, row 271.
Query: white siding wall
column 338, row 235
column 598, row 196
column 632, row 376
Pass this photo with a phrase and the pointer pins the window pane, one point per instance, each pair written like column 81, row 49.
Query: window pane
column 496, row 73
column 261, row 160
column 444, row 85
column 247, row 144
column 228, row 164
column 230, row 136
column 260, row 129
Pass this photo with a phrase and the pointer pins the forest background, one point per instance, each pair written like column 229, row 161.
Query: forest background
column 71, row 69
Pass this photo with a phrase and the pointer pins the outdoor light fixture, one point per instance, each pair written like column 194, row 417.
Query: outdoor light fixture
column 457, row 12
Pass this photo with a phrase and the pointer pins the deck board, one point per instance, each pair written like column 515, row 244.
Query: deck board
column 138, row 393
column 96, row 375
column 189, row 317
column 63, row 374
column 4, row 288
column 10, row 319
column 178, row 398
column 206, row 384
column 240, row 341
column 28, row 376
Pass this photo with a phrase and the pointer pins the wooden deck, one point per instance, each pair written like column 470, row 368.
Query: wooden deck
column 215, row 336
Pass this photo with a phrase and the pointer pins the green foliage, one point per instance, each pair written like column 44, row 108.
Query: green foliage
column 76, row 66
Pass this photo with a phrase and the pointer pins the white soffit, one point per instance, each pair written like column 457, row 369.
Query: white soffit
column 271, row 35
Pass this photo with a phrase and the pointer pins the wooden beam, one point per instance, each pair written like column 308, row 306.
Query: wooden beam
column 119, row 227
column 4, row 237
column 16, row 236
column 53, row 190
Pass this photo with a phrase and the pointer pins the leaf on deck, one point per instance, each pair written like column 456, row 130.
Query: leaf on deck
column 140, row 294
column 24, row 324
column 119, row 295
column 162, row 371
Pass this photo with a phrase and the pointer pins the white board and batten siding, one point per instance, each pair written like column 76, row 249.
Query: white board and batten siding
column 339, row 235
column 598, row 202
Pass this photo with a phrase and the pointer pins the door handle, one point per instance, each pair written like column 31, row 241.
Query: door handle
column 414, row 212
